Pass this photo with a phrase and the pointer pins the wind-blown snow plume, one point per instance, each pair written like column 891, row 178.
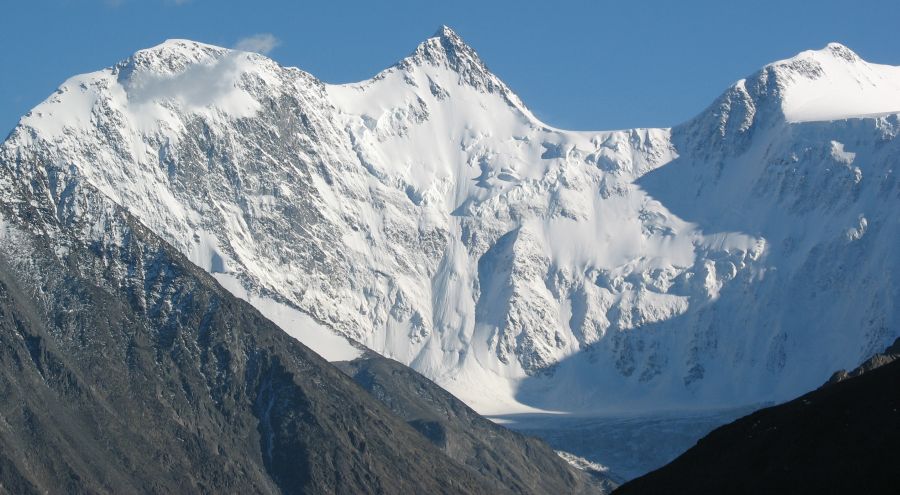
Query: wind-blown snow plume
column 258, row 43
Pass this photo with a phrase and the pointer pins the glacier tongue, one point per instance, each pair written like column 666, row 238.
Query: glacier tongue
column 427, row 214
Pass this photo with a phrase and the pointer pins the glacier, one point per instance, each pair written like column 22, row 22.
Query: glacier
column 428, row 215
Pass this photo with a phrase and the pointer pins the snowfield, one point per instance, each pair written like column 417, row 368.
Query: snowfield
column 428, row 215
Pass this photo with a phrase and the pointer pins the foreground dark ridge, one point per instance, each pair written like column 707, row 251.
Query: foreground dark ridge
column 126, row 369
column 841, row 438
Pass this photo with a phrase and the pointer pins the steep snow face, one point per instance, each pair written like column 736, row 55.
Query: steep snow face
column 834, row 83
column 822, row 198
column 427, row 214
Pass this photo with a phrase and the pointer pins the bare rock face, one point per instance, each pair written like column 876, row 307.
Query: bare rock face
column 891, row 354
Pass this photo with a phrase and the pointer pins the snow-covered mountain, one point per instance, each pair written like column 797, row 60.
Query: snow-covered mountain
column 427, row 214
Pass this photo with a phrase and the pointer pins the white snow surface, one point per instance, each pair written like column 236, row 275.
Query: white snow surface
column 296, row 323
column 834, row 83
column 428, row 215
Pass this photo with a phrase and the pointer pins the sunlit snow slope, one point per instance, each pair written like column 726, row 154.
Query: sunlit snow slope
column 427, row 214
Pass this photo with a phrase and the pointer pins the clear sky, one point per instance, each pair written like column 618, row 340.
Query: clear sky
column 577, row 64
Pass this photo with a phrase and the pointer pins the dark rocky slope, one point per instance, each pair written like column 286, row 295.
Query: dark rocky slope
column 841, row 438
column 891, row 354
column 125, row 369
column 523, row 464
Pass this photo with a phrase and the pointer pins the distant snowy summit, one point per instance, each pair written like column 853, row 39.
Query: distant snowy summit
column 834, row 83
column 427, row 214
column 816, row 85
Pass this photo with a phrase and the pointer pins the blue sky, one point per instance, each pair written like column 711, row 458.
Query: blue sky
column 576, row 64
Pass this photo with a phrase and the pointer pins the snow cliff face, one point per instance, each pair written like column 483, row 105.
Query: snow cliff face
column 427, row 214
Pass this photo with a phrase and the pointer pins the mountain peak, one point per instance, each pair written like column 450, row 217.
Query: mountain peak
column 835, row 83
column 182, row 47
column 447, row 50
column 446, row 47
column 169, row 57
column 450, row 41
column 830, row 53
column 445, row 31
column 842, row 51
column 832, row 83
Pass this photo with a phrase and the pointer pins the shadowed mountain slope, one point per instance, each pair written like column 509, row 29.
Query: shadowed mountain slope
column 841, row 438
column 522, row 463
column 126, row 369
